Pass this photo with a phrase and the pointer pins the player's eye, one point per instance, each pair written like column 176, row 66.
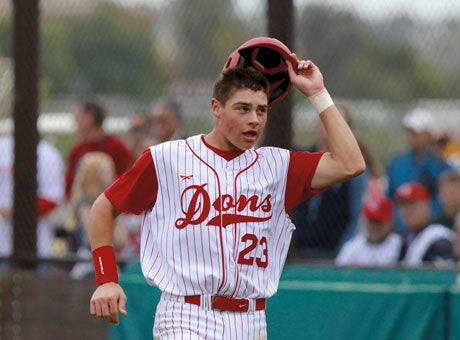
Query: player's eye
column 262, row 110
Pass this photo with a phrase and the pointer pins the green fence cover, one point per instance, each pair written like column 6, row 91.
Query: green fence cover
column 331, row 303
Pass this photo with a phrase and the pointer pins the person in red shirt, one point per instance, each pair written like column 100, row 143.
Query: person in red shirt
column 89, row 119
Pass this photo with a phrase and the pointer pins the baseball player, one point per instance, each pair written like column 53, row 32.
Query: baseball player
column 216, row 230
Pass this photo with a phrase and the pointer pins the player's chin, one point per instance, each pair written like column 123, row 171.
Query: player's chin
column 247, row 145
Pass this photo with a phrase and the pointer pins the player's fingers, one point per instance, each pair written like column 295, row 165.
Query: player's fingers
column 112, row 312
column 291, row 70
column 92, row 307
column 105, row 310
column 122, row 304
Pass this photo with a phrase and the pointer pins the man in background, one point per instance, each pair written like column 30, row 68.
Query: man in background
column 50, row 192
column 376, row 244
column 167, row 120
column 327, row 220
column 421, row 162
column 89, row 119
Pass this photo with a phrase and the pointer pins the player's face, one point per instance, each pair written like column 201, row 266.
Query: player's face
column 241, row 121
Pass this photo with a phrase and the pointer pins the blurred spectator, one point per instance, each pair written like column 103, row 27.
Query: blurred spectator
column 146, row 139
column 327, row 220
column 89, row 118
column 457, row 239
column 127, row 226
column 449, row 195
column 424, row 241
column 376, row 244
column 420, row 163
column 140, row 124
column 50, row 193
column 127, row 236
column 168, row 121
column 95, row 172
column 374, row 172
column 449, row 147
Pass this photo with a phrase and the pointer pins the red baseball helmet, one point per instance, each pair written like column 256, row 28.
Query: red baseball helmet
column 268, row 56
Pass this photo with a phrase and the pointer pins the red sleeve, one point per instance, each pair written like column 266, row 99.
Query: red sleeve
column 302, row 167
column 136, row 190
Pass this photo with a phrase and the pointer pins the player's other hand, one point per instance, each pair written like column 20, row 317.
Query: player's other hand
column 308, row 78
column 107, row 301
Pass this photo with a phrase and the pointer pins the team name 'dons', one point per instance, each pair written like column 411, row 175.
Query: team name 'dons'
column 197, row 209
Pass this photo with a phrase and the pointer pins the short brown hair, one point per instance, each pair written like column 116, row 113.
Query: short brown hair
column 94, row 108
column 239, row 78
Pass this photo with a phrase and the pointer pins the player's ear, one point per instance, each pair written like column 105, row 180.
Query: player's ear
column 216, row 107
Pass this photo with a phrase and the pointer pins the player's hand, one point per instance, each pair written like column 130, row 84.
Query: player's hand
column 308, row 78
column 107, row 301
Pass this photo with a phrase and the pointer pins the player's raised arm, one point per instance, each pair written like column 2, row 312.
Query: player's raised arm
column 109, row 298
column 344, row 161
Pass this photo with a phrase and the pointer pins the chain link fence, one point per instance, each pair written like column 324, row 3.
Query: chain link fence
column 379, row 59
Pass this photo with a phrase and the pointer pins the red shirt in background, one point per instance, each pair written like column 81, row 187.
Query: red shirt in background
column 109, row 144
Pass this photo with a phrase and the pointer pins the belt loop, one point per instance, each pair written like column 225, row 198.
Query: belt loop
column 251, row 305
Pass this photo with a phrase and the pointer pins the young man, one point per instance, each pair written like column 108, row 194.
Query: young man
column 216, row 230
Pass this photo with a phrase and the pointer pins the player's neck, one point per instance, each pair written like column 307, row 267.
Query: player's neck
column 227, row 154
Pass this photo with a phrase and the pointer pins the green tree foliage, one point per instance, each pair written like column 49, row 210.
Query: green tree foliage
column 111, row 52
column 361, row 64
column 208, row 32
column 57, row 63
column 5, row 36
column 114, row 50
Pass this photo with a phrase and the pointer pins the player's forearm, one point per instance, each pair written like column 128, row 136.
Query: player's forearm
column 342, row 143
column 101, row 223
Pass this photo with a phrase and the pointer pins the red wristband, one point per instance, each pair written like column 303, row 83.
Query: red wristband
column 105, row 265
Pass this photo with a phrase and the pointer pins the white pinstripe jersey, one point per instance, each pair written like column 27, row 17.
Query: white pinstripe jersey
column 218, row 226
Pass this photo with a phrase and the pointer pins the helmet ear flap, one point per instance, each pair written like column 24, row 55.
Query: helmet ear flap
column 234, row 60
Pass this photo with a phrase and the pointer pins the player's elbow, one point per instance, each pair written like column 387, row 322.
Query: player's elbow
column 354, row 168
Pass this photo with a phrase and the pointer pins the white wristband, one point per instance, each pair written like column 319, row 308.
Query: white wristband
column 321, row 101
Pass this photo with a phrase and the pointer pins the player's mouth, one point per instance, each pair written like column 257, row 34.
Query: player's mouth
column 250, row 136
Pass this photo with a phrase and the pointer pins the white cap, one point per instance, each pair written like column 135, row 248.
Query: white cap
column 419, row 120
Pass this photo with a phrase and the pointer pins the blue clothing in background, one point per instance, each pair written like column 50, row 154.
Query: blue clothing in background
column 425, row 170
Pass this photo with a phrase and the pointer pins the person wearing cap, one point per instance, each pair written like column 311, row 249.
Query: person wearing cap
column 424, row 241
column 376, row 244
column 421, row 163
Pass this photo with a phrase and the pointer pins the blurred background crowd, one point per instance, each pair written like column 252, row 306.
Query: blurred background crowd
column 120, row 76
